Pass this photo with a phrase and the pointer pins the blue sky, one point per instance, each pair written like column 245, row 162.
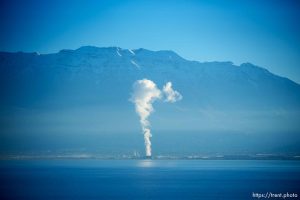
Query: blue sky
column 265, row 33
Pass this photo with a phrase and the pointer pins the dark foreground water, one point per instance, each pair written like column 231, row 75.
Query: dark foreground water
column 147, row 179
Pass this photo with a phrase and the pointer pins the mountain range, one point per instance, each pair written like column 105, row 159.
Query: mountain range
column 85, row 92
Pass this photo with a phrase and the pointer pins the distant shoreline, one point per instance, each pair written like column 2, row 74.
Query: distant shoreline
column 160, row 157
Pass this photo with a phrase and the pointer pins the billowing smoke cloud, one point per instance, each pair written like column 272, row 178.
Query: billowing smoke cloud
column 145, row 92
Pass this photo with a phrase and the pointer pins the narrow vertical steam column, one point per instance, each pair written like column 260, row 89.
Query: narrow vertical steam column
column 145, row 92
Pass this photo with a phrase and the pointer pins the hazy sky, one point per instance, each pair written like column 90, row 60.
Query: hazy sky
column 265, row 33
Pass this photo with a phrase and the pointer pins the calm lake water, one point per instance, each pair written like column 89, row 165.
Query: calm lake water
column 146, row 179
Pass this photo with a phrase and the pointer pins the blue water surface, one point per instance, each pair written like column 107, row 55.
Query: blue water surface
column 146, row 179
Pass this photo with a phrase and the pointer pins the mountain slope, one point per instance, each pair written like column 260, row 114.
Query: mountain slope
column 29, row 78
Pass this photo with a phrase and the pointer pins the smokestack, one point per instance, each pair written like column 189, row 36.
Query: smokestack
column 145, row 92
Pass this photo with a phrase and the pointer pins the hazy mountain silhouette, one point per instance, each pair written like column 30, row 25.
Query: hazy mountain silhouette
column 105, row 75
column 88, row 90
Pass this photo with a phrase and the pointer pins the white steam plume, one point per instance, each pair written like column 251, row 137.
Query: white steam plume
column 171, row 95
column 145, row 92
